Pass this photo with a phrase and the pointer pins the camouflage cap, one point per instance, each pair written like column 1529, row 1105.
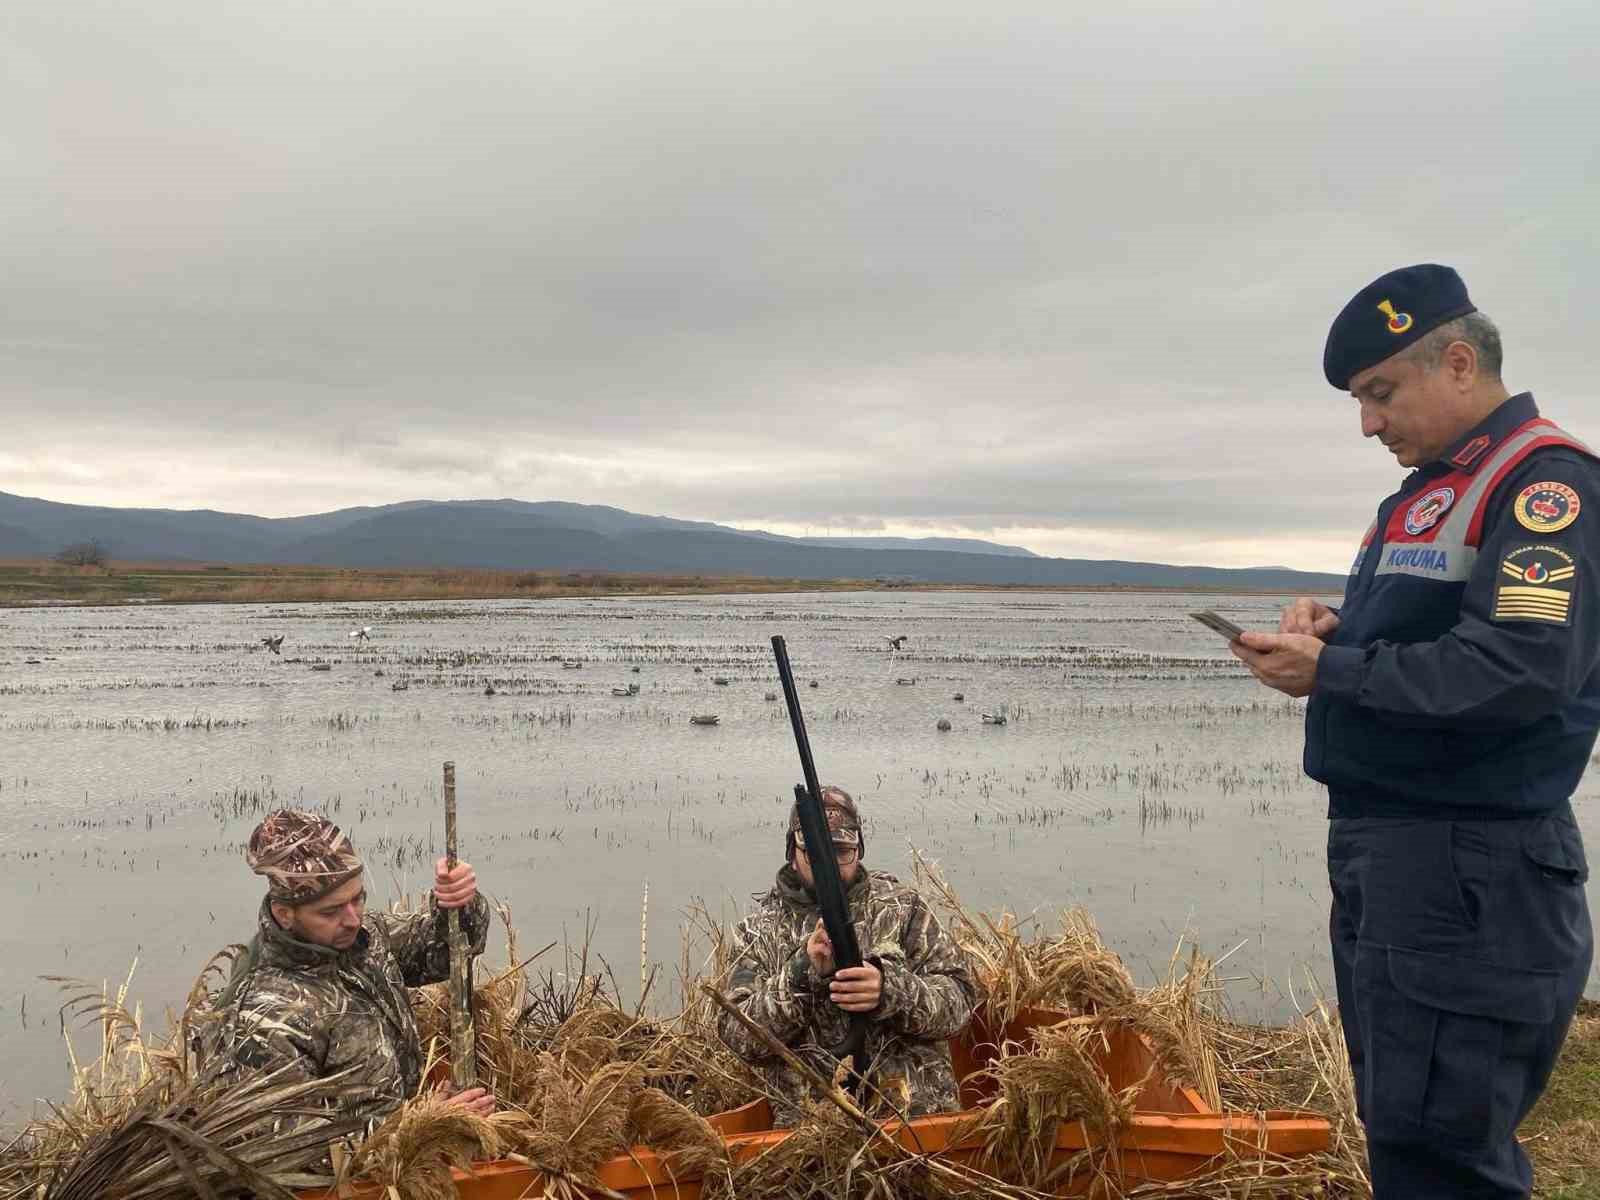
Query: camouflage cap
column 303, row 855
column 844, row 822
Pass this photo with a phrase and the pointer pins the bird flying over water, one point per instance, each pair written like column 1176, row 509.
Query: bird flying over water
column 363, row 633
column 275, row 644
column 897, row 642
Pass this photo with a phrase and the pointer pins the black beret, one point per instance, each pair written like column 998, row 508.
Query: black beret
column 1389, row 314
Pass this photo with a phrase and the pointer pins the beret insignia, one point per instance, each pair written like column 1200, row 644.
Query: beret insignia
column 1399, row 322
column 1535, row 583
column 1546, row 507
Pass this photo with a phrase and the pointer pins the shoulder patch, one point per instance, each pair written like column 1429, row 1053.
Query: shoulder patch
column 1546, row 507
column 1535, row 583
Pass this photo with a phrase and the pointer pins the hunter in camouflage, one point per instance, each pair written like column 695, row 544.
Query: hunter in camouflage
column 915, row 987
column 320, row 991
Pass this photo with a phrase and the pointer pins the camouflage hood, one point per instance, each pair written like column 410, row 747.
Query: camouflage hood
column 928, row 992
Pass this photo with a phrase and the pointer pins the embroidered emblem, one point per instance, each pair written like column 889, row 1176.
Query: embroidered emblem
column 1547, row 507
column 1425, row 513
column 1399, row 322
column 1471, row 452
column 1535, row 584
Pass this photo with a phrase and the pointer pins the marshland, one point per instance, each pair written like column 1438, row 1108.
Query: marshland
column 1140, row 774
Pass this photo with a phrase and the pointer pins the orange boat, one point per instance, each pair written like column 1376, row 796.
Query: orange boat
column 1173, row 1135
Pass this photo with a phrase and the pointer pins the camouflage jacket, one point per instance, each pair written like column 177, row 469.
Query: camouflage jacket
column 311, row 1012
column 928, row 992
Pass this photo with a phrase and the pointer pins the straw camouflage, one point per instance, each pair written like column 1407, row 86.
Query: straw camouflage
column 928, row 992
column 303, row 856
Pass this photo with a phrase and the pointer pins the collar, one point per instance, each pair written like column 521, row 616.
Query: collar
column 1472, row 449
column 792, row 888
column 280, row 948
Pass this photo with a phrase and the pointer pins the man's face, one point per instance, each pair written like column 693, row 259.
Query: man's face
column 1413, row 411
column 849, row 863
column 333, row 921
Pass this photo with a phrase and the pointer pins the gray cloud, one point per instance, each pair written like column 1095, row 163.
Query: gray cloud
column 914, row 266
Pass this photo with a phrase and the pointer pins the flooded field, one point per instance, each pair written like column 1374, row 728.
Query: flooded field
column 1140, row 772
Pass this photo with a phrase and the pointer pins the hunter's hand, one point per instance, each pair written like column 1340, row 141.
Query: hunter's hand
column 1310, row 617
column 1285, row 662
column 454, row 889
column 819, row 949
column 477, row 1101
column 857, row 989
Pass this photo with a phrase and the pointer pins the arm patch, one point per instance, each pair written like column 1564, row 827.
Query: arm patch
column 1535, row 583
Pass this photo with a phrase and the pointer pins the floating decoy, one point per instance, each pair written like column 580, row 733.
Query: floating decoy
column 635, row 670
column 772, row 695
column 275, row 644
column 698, row 671
column 905, row 682
column 399, row 685
column 622, row 691
column 704, row 719
column 489, row 690
column 574, row 665
column 958, row 696
column 813, row 683
column 721, row 681
column 322, row 666
column 943, row 726
column 994, row 718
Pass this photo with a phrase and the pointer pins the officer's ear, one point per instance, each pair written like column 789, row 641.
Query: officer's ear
column 283, row 914
column 1459, row 362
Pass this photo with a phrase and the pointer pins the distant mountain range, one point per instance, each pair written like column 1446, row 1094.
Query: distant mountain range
column 557, row 536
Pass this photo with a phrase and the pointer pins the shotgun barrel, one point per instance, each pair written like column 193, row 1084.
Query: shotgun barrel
column 824, row 862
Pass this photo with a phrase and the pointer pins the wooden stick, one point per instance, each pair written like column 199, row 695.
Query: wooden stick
column 463, row 1046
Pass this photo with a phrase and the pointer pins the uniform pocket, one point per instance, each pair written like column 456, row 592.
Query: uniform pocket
column 1442, row 1028
column 1555, row 847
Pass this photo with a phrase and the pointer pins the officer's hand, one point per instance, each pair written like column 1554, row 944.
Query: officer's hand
column 819, row 949
column 477, row 1101
column 454, row 889
column 857, row 989
column 1286, row 662
column 1310, row 617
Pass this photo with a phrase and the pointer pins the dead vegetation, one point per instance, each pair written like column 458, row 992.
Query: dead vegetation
column 581, row 1078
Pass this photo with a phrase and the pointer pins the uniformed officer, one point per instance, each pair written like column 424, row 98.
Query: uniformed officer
column 1454, row 700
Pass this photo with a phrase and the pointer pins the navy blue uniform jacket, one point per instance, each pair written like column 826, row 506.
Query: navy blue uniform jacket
column 1462, row 679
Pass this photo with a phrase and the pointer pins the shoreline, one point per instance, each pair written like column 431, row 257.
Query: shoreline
column 34, row 583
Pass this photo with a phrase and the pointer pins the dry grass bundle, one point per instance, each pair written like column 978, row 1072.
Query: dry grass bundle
column 247, row 1139
column 656, row 1120
column 1056, row 1079
column 1073, row 968
column 413, row 1150
column 577, row 1123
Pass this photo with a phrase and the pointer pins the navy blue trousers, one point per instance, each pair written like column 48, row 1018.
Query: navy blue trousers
column 1460, row 951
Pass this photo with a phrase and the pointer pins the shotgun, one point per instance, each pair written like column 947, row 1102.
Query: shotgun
column 824, row 864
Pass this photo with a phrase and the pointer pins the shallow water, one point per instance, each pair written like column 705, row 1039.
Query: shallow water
column 1141, row 773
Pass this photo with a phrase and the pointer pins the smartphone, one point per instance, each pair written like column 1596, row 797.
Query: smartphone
column 1221, row 624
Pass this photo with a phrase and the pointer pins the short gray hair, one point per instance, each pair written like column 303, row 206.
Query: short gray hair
column 1475, row 329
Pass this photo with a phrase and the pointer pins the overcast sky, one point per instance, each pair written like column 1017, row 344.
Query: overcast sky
column 1055, row 274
